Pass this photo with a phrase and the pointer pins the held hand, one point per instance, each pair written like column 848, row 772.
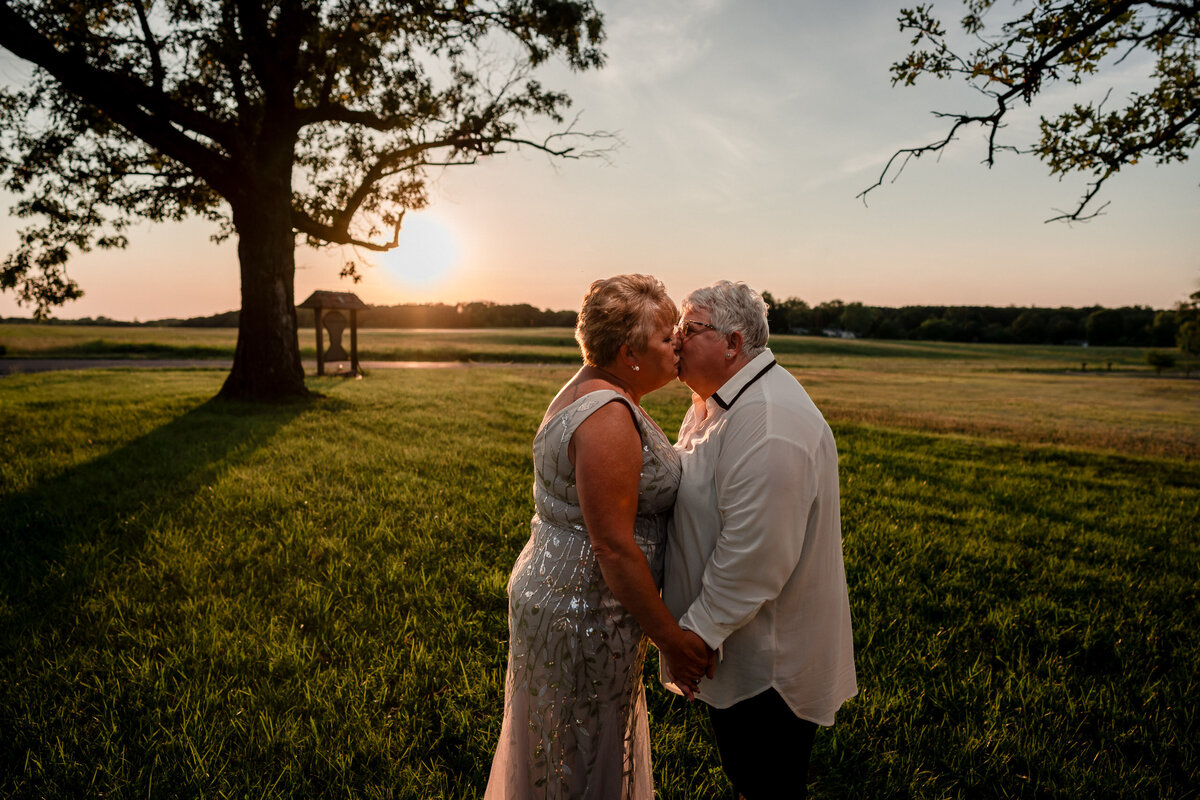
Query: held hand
column 688, row 659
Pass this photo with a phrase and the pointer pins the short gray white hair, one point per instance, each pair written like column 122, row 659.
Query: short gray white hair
column 734, row 307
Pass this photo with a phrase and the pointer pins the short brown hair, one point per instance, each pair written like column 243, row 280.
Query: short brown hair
column 621, row 310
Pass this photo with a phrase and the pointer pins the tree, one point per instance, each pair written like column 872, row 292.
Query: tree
column 935, row 329
column 776, row 315
column 967, row 322
column 276, row 119
column 1187, row 334
column 826, row 315
column 797, row 316
column 1160, row 361
column 1162, row 330
column 1067, row 40
column 1062, row 328
column 1030, row 326
column 857, row 319
column 1104, row 327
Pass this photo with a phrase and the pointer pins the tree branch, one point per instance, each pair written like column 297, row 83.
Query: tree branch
column 1027, row 87
column 1185, row 9
column 326, row 111
column 289, row 31
column 1114, row 164
column 156, row 67
column 338, row 235
column 389, row 164
column 130, row 103
column 251, row 21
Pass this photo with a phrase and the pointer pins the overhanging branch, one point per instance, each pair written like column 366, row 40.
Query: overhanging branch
column 338, row 235
column 407, row 159
column 1032, row 73
column 156, row 67
column 146, row 113
column 1115, row 162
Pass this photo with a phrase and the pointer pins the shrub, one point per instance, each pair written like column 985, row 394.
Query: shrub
column 1160, row 361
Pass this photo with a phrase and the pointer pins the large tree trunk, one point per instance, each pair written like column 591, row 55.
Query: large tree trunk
column 266, row 365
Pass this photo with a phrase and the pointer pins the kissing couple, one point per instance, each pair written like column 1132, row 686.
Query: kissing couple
column 724, row 550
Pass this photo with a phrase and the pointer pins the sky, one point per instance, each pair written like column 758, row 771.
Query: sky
column 746, row 131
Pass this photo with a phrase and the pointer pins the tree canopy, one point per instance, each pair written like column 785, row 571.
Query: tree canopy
column 1072, row 41
column 274, row 119
column 1131, row 326
column 1187, row 317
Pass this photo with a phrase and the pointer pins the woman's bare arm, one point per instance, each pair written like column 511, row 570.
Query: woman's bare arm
column 608, row 464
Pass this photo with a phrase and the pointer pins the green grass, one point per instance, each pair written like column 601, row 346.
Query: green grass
column 557, row 345
column 1116, row 412
column 202, row 598
column 86, row 341
column 544, row 345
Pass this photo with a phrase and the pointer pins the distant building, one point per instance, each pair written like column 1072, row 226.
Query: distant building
column 838, row 333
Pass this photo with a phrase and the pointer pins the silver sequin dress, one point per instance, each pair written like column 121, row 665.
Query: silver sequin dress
column 575, row 723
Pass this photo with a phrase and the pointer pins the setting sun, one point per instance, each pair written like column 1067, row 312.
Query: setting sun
column 426, row 254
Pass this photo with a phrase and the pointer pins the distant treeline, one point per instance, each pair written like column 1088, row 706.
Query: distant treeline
column 405, row 315
column 462, row 315
column 1139, row 326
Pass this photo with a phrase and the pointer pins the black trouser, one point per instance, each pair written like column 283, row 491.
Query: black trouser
column 764, row 747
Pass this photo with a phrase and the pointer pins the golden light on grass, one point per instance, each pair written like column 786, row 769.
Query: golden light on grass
column 214, row 593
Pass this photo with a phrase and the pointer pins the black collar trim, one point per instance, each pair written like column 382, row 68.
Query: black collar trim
column 749, row 383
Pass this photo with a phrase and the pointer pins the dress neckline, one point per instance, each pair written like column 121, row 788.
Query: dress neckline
column 550, row 418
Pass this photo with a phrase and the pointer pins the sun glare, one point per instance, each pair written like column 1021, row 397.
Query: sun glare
column 425, row 255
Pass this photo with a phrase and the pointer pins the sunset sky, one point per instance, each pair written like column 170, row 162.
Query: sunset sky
column 747, row 128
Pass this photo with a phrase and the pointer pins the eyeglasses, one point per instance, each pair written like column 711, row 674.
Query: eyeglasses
column 690, row 327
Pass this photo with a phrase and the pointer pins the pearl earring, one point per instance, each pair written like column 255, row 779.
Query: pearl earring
column 636, row 368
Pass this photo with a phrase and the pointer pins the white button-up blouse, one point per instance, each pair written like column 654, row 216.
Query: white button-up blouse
column 754, row 557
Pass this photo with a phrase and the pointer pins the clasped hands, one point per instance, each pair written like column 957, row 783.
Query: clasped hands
column 689, row 659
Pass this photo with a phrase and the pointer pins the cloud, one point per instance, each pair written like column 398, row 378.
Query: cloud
column 865, row 163
column 648, row 42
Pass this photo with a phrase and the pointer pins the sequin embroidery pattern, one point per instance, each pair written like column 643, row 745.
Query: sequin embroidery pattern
column 575, row 723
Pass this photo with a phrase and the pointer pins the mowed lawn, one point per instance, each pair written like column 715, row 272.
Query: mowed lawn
column 546, row 345
column 479, row 344
column 201, row 598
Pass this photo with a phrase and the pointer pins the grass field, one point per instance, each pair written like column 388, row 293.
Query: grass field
column 210, row 599
column 1036, row 394
column 548, row 345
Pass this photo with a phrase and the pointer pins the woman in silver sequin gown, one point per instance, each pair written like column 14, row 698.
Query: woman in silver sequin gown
column 583, row 595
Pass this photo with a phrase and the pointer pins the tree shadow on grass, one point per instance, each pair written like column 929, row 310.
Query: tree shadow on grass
column 61, row 533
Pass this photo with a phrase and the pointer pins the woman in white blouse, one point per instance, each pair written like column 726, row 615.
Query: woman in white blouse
column 754, row 560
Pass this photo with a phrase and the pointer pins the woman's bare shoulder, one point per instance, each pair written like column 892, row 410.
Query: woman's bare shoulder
column 577, row 387
column 609, row 430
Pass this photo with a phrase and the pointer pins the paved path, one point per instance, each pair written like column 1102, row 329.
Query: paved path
column 12, row 366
